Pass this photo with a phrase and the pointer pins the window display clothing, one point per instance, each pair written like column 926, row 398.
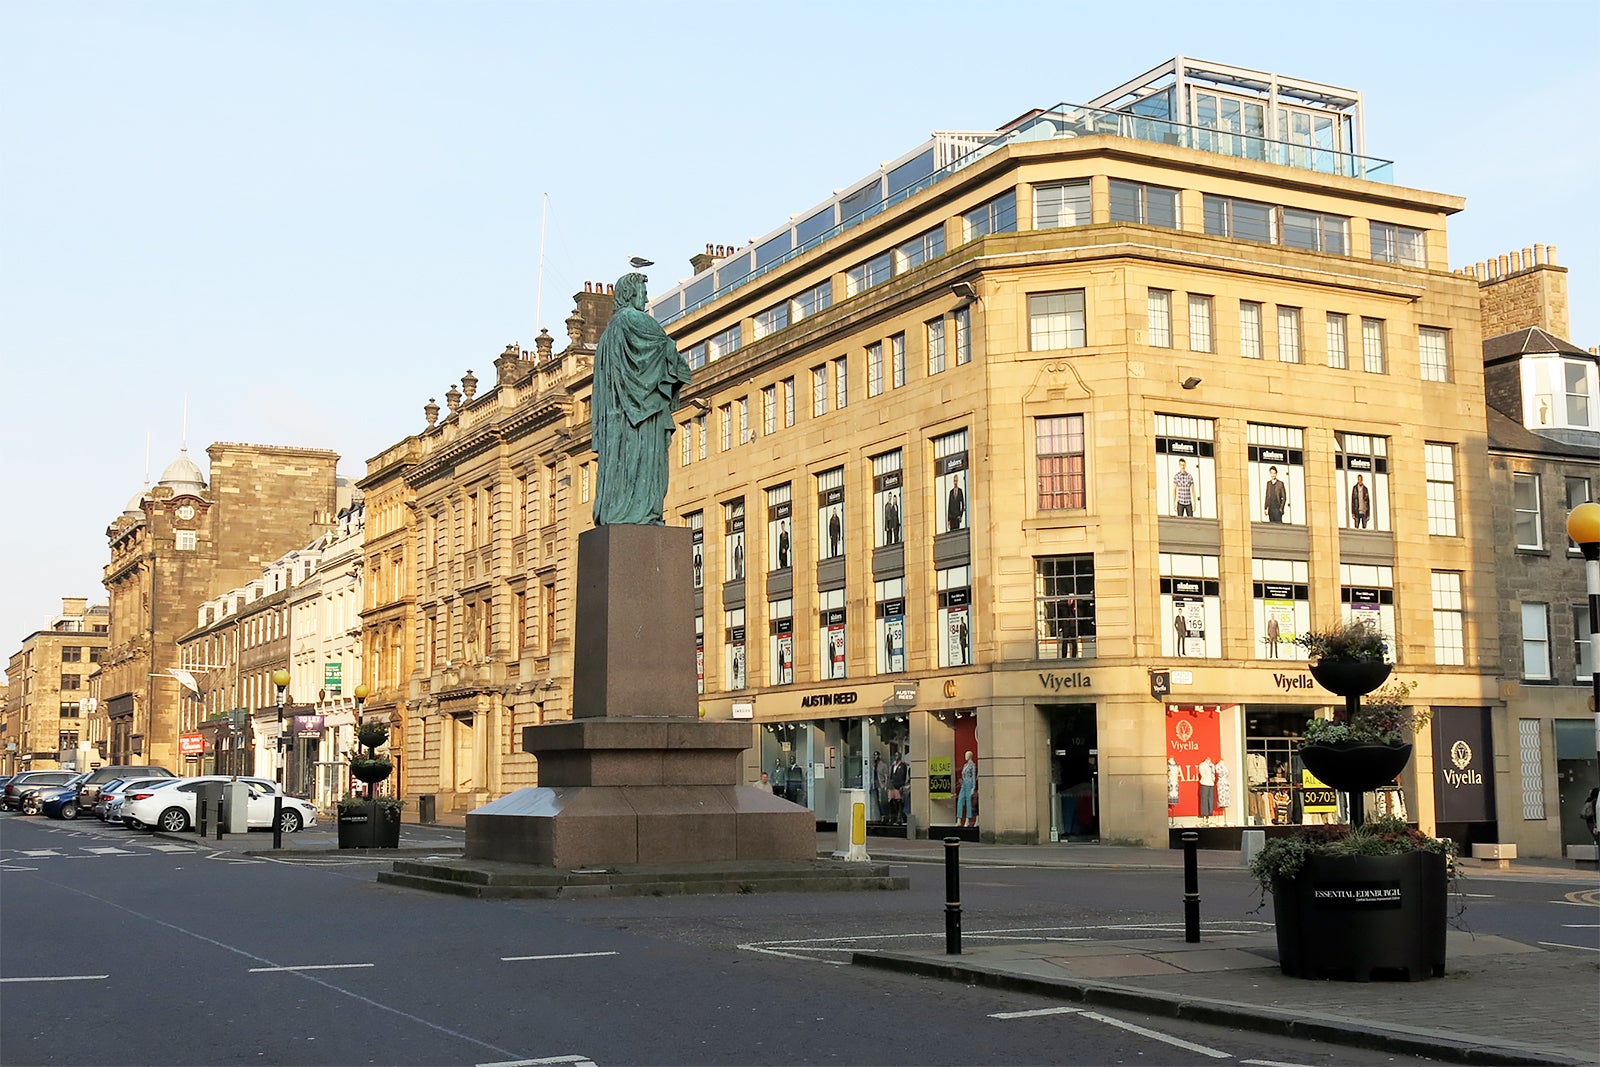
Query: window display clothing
column 1224, row 786
column 1174, row 777
column 967, row 797
column 1208, row 787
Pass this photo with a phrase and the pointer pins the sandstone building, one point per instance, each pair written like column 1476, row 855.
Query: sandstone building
column 48, row 701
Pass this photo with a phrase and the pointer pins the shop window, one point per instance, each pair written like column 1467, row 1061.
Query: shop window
column 733, row 539
column 891, row 620
column 956, row 637
column 733, row 640
column 1063, row 590
column 831, row 635
column 950, row 484
column 1366, row 595
column 830, row 514
column 1361, row 465
column 780, row 540
column 886, row 499
column 1185, row 466
column 1276, row 469
column 780, row 637
column 1191, row 613
column 1282, row 596
column 696, row 521
column 700, row 654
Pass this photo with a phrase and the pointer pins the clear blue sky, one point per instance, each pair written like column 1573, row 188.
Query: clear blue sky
column 310, row 217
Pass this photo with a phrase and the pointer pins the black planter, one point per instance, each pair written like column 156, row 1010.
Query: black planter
column 1350, row 677
column 1356, row 918
column 371, row 770
column 359, row 831
column 1355, row 766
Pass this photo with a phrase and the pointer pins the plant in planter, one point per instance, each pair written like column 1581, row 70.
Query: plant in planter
column 1355, row 751
column 370, row 821
column 1354, row 902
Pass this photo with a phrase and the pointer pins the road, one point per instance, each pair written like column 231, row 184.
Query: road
column 119, row 947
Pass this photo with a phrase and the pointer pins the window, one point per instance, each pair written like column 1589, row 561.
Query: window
column 71, row 654
column 71, row 681
column 1281, row 591
column 1433, row 352
column 841, row 382
column 1289, row 350
column 1577, row 388
column 1277, row 473
column 701, row 433
column 935, row 346
column 887, row 519
column 897, row 360
column 1439, row 463
column 917, row 251
column 686, row 442
column 819, row 391
column 1055, row 320
column 733, row 641
column 830, row 514
column 1577, row 493
column 997, row 216
column 1315, row 231
column 1059, row 446
column 1186, row 466
column 1398, row 244
column 1249, row 329
column 812, row 301
column 69, row 709
column 1366, row 596
column 1061, row 204
column 696, row 355
column 1158, row 306
column 771, row 320
column 1536, row 642
column 1151, row 205
column 874, row 271
column 725, row 420
column 875, row 368
column 185, row 541
column 963, row 321
column 891, row 613
column 780, row 542
column 780, row 639
column 1190, row 620
column 1582, row 644
column 949, row 482
column 1361, row 466
column 583, row 483
column 769, row 409
column 1063, row 596
column 733, row 539
column 69, row 740
column 1202, row 333
column 956, row 638
column 1338, row 340
column 1373, row 357
column 831, row 636
column 725, row 343
column 788, row 401
column 1529, row 522
column 696, row 522
column 745, row 436
column 1449, row 646
column 1243, row 220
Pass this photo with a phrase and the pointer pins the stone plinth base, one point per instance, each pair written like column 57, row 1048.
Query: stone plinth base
column 637, row 752
column 572, row 827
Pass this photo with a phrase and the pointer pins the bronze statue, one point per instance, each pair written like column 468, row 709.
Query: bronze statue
column 638, row 374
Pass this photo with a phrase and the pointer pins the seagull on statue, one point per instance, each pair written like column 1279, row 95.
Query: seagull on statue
column 640, row 261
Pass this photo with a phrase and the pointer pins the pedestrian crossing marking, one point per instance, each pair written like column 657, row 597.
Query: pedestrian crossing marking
column 110, row 851
column 38, row 853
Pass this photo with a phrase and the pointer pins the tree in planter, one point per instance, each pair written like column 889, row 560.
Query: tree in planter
column 378, row 816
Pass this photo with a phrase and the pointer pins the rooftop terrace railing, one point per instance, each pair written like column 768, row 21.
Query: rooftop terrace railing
column 1060, row 122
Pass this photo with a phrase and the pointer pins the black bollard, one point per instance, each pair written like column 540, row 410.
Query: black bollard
column 219, row 818
column 200, row 818
column 952, row 896
column 1191, row 887
column 277, row 820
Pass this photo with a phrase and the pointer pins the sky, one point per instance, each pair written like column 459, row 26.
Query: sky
column 308, row 218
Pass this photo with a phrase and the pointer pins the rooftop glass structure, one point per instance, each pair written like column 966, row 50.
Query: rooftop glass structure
column 1211, row 107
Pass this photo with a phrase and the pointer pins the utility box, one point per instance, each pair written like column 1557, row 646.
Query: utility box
column 852, row 840
column 205, row 808
column 235, row 807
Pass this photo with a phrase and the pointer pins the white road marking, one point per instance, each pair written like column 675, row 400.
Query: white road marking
column 1156, row 1035
column 1479, row 896
column 576, row 1061
column 557, row 956
column 1272, row 1063
column 61, row 978
column 109, row 851
column 170, row 848
column 1580, row 926
column 311, row 967
column 36, row 853
column 1034, row 1013
column 1580, row 948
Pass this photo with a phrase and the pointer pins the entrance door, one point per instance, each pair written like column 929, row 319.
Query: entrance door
column 1074, row 772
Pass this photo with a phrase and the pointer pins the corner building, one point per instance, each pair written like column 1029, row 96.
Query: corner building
column 1043, row 444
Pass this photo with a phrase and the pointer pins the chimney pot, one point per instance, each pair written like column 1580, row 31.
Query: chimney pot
column 1552, row 250
column 1538, row 253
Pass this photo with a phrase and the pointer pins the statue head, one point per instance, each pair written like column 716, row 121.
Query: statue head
column 630, row 292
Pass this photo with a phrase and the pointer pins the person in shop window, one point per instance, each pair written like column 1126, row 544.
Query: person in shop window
column 967, row 795
column 1276, row 497
column 899, row 780
column 880, row 784
column 955, row 511
column 1360, row 504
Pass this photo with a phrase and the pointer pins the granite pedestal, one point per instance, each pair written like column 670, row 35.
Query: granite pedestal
column 635, row 777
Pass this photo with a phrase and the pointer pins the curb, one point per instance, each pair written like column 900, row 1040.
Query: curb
column 1436, row 1044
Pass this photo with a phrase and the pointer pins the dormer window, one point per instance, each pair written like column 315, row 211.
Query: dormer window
column 1559, row 393
column 1579, row 378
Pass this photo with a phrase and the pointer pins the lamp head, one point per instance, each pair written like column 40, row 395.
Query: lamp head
column 1583, row 526
column 1191, row 382
column 362, row 692
column 280, row 678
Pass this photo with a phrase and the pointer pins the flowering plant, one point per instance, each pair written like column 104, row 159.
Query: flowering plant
column 1349, row 640
column 1281, row 858
column 1386, row 718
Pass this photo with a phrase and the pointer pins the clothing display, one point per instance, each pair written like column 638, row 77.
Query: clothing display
column 1173, row 778
column 1224, row 786
column 1208, row 787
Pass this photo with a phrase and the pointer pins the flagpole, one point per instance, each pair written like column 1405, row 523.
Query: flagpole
column 538, row 303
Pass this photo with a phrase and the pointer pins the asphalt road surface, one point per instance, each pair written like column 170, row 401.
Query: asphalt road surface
column 119, row 947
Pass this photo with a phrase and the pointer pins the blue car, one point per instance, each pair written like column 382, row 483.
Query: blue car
column 53, row 800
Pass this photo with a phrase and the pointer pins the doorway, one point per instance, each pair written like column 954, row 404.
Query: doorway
column 1074, row 772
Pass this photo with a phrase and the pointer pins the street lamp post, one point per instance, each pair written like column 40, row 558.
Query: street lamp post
column 280, row 678
column 1583, row 526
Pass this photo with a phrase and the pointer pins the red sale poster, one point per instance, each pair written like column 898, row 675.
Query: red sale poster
column 1193, row 737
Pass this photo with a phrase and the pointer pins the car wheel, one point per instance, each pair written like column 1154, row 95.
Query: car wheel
column 289, row 821
column 174, row 820
column 69, row 811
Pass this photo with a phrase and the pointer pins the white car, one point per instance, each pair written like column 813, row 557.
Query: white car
column 170, row 806
column 109, row 806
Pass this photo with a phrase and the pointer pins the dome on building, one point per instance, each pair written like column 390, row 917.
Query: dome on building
column 183, row 475
column 135, row 508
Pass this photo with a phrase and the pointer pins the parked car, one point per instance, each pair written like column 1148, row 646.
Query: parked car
column 11, row 800
column 108, row 806
column 89, row 790
column 33, row 795
column 56, row 801
column 170, row 806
